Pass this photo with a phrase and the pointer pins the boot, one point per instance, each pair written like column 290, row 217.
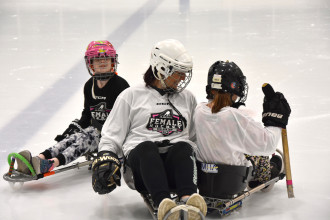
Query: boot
column 42, row 166
column 276, row 166
column 21, row 166
column 196, row 201
column 168, row 205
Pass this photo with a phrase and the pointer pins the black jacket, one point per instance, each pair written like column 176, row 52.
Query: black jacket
column 97, row 110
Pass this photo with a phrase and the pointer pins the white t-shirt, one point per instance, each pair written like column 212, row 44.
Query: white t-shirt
column 141, row 114
column 224, row 137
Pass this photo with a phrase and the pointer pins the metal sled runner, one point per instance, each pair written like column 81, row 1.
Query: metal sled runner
column 15, row 176
column 223, row 206
column 227, row 206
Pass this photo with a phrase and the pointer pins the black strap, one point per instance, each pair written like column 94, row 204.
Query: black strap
column 163, row 143
column 177, row 111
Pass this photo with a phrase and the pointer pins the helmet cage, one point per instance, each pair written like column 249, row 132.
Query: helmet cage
column 181, row 83
column 89, row 60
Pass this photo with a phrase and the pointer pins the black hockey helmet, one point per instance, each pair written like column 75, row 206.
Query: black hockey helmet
column 227, row 77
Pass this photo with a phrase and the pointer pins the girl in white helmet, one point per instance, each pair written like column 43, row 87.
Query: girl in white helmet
column 151, row 126
column 83, row 135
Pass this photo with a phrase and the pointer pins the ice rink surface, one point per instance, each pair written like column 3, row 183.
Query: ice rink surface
column 283, row 42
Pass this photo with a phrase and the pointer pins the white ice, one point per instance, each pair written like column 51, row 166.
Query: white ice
column 283, row 42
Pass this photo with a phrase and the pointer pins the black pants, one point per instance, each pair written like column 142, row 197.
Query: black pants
column 158, row 174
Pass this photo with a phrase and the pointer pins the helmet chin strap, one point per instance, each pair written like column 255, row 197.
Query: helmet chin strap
column 162, row 82
column 235, row 104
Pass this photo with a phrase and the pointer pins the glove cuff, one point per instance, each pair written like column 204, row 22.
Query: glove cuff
column 106, row 156
column 77, row 125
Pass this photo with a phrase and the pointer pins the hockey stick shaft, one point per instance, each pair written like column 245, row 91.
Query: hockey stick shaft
column 287, row 166
column 250, row 192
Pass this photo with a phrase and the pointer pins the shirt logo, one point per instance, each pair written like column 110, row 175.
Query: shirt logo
column 100, row 112
column 165, row 122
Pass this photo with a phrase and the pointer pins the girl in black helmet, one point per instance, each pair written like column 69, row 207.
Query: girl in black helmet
column 226, row 135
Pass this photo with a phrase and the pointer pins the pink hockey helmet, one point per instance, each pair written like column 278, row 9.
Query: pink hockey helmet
column 101, row 50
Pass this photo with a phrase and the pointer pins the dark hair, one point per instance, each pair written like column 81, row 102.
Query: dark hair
column 149, row 77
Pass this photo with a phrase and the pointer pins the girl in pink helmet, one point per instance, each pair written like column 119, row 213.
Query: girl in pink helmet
column 83, row 135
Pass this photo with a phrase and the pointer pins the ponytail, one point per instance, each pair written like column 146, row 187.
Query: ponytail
column 220, row 101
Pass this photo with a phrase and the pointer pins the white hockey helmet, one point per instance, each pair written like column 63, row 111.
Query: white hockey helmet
column 170, row 56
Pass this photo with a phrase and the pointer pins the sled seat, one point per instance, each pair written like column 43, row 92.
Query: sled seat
column 222, row 181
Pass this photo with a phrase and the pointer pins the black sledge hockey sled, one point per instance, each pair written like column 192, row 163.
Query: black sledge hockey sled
column 13, row 176
column 224, row 186
column 222, row 193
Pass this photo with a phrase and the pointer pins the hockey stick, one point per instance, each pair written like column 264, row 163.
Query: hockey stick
column 269, row 93
column 250, row 192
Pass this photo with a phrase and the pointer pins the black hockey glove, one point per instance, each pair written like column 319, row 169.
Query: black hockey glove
column 276, row 111
column 106, row 172
column 73, row 128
